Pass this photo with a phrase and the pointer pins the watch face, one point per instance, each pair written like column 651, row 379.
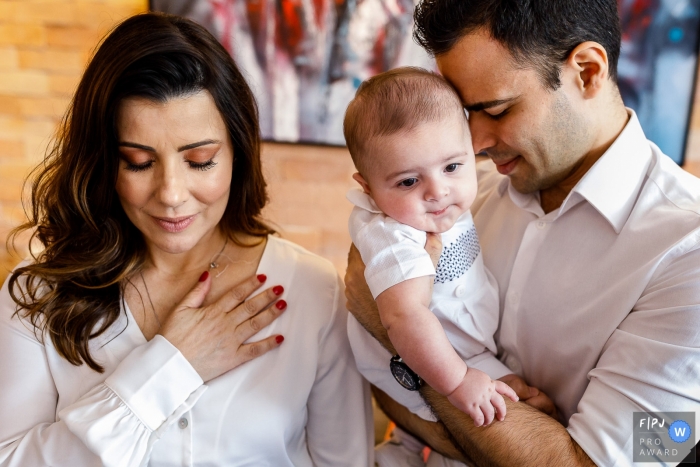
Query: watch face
column 404, row 376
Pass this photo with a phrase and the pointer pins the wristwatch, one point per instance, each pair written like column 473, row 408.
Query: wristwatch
column 404, row 375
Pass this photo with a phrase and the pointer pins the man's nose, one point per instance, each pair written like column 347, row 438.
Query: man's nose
column 483, row 134
column 172, row 190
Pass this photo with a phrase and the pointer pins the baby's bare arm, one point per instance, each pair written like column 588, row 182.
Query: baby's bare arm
column 418, row 336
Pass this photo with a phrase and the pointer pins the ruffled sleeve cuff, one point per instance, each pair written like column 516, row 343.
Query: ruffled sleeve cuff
column 121, row 419
column 154, row 380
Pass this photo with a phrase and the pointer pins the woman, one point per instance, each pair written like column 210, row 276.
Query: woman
column 122, row 344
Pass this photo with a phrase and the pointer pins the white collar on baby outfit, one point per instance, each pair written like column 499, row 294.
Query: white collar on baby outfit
column 362, row 200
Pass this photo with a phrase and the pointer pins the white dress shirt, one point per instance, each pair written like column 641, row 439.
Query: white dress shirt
column 465, row 295
column 302, row 404
column 600, row 299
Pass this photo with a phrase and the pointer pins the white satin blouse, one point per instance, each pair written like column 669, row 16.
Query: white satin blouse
column 303, row 404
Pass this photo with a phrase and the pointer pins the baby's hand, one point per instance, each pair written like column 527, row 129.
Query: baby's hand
column 481, row 398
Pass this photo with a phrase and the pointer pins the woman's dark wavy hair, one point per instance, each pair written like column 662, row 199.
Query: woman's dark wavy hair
column 72, row 290
column 538, row 33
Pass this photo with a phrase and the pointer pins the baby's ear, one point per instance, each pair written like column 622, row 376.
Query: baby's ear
column 363, row 183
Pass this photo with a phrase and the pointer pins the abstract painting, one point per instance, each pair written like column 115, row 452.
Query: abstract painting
column 657, row 67
column 304, row 59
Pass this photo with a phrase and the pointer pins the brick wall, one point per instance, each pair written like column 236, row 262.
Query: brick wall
column 307, row 186
column 44, row 45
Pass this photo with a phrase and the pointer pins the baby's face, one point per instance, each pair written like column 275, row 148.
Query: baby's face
column 424, row 178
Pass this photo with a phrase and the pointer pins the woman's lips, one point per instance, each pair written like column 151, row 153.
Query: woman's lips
column 174, row 224
column 507, row 167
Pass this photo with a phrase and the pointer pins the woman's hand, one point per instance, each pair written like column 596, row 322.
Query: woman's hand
column 212, row 337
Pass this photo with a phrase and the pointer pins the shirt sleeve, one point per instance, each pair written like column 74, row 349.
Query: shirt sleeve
column 392, row 252
column 113, row 424
column 651, row 363
column 340, row 426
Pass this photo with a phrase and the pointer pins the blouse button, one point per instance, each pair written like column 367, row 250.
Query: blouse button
column 182, row 423
column 459, row 291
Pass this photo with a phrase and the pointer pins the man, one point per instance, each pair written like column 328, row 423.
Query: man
column 592, row 234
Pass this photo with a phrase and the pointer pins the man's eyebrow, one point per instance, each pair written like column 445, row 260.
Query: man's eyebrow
column 180, row 149
column 488, row 104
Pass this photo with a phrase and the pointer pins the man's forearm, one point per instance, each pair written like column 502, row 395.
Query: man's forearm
column 434, row 434
column 525, row 438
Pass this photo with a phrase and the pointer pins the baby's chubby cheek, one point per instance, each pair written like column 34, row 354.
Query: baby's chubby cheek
column 420, row 219
column 406, row 213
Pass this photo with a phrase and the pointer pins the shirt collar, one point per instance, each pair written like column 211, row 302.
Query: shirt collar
column 527, row 201
column 362, row 200
column 612, row 184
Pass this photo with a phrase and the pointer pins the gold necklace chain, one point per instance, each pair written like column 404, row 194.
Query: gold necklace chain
column 213, row 264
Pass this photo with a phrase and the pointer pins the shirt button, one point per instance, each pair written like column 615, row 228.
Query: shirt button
column 460, row 290
column 541, row 225
column 182, row 423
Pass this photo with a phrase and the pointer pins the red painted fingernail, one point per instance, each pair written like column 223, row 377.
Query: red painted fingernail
column 279, row 339
column 262, row 277
column 281, row 305
column 277, row 290
column 204, row 276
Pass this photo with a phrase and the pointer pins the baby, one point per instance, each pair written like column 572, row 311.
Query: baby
column 409, row 139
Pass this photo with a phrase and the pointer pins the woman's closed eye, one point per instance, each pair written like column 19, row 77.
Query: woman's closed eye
column 206, row 165
column 138, row 167
column 202, row 158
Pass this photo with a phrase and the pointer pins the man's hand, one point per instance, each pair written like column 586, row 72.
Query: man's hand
column 433, row 245
column 531, row 395
column 360, row 301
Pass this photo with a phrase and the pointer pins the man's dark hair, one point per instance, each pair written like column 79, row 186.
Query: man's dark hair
column 538, row 33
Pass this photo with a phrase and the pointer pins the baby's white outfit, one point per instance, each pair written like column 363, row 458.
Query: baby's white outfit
column 465, row 294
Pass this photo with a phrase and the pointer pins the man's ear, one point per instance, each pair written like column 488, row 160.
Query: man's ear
column 588, row 63
column 363, row 183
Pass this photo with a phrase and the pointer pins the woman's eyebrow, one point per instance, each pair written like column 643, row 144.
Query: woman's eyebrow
column 180, row 149
column 198, row 144
column 136, row 145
